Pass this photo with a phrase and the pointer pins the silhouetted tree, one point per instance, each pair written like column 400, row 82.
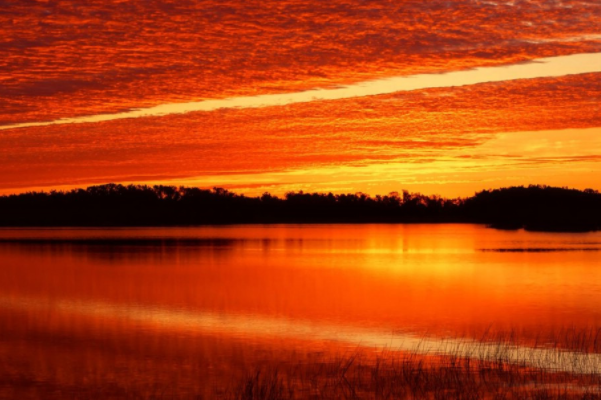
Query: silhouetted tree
column 534, row 207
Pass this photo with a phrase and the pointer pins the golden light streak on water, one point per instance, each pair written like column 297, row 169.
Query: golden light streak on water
column 250, row 325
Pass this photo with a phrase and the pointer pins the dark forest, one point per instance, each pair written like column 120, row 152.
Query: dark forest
column 538, row 208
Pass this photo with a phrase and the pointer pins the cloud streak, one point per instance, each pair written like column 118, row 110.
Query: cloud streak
column 540, row 68
column 416, row 131
column 68, row 58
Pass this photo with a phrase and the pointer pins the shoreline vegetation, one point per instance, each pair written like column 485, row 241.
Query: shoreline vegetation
column 386, row 375
column 534, row 208
column 487, row 370
column 359, row 373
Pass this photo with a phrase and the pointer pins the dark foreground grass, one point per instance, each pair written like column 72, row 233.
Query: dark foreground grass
column 393, row 375
column 560, row 364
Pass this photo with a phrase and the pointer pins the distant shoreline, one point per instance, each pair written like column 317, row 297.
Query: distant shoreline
column 533, row 208
column 233, row 224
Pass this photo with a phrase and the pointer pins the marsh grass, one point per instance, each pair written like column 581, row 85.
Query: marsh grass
column 386, row 374
column 572, row 338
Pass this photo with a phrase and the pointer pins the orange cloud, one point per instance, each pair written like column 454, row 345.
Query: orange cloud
column 423, row 128
column 66, row 58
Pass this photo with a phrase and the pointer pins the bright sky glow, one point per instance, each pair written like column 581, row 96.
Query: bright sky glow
column 225, row 92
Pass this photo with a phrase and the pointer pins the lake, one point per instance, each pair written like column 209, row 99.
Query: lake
column 141, row 312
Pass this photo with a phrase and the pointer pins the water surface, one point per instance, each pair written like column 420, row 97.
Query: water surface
column 122, row 310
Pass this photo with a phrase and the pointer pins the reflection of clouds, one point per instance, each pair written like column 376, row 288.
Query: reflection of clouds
column 130, row 55
column 132, row 252
column 151, row 250
column 250, row 326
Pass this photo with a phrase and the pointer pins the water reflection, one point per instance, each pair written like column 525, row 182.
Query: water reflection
column 152, row 252
column 217, row 299
column 541, row 249
column 250, row 325
column 450, row 278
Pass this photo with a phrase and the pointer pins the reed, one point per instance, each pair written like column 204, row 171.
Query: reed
column 387, row 374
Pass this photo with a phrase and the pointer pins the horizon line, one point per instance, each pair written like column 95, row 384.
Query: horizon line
column 214, row 187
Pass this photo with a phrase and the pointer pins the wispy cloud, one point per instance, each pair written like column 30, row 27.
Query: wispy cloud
column 163, row 90
column 540, row 68
column 418, row 131
column 70, row 58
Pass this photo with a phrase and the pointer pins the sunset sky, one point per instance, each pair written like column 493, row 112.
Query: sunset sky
column 440, row 97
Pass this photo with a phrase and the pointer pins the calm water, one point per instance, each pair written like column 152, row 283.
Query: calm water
column 121, row 311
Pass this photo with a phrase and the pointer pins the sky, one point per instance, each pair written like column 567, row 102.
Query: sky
column 438, row 97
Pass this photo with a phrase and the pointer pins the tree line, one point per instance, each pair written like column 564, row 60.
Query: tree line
column 534, row 207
